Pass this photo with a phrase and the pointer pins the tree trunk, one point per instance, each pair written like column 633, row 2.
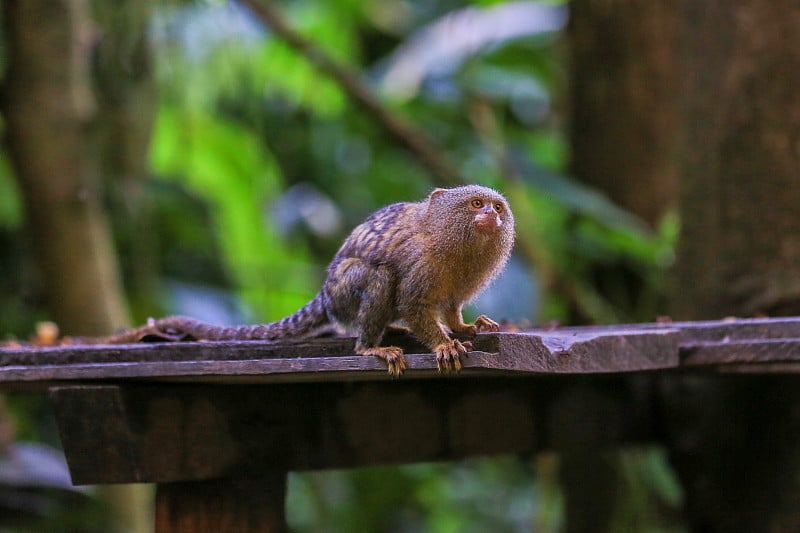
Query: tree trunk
column 722, row 112
column 735, row 441
column 623, row 97
column 624, row 133
column 52, row 135
column 740, row 203
column 49, row 110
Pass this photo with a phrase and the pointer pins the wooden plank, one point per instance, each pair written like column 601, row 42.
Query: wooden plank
column 738, row 329
column 614, row 350
column 225, row 505
column 352, row 367
column 727, row 352
column 586, row 350
column 106, row 404
column 152, row 433
column 759, row 368
column 591, row 351
column 701, row 330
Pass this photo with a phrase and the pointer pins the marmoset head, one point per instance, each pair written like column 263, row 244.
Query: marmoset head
column 481, row 209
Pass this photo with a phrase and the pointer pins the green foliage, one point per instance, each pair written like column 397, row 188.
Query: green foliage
column 18, row 309
column 10, row 204
column 226, row 167
column 285, row 73
column 651, row 488
column 247, row 70
column 496, row 495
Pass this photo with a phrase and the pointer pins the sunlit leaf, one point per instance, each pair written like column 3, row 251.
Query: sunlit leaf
column 236, row 176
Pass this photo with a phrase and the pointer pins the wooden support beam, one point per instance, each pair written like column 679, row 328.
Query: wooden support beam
column 225, row 505
column 151, row 433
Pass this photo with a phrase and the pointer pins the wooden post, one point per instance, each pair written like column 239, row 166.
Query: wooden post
column 240, row 505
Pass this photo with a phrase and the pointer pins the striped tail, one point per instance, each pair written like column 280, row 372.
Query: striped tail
column 305, row 322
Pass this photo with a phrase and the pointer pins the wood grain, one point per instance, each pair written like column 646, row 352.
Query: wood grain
column 156, row 433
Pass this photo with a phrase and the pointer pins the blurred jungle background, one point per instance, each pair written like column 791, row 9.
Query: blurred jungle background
column 208, row 157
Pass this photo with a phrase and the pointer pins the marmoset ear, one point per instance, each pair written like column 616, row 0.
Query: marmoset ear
column 436, row 193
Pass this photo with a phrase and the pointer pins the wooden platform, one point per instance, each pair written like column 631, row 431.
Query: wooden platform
column 756, row 345
column 211, row 422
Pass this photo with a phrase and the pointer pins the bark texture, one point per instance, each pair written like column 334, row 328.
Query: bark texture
column 49, row 109
column 624, row 98
column 740, row 162
column 735, row 440
column 698, row 102
column 52, row 132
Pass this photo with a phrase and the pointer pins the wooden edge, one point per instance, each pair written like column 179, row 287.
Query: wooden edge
column 354, row 367
column 739, row 328
column 587, row 352
column 758, row 352
column 759, row 368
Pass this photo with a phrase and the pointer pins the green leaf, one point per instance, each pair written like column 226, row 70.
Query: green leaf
column 10, row 200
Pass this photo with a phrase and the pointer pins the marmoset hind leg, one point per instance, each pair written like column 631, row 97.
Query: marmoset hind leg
column 374, row 310
column 426, row 327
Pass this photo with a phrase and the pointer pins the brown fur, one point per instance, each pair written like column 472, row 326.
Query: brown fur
column 413, row 262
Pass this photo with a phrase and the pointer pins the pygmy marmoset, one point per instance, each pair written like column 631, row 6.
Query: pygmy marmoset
column 415, row 262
